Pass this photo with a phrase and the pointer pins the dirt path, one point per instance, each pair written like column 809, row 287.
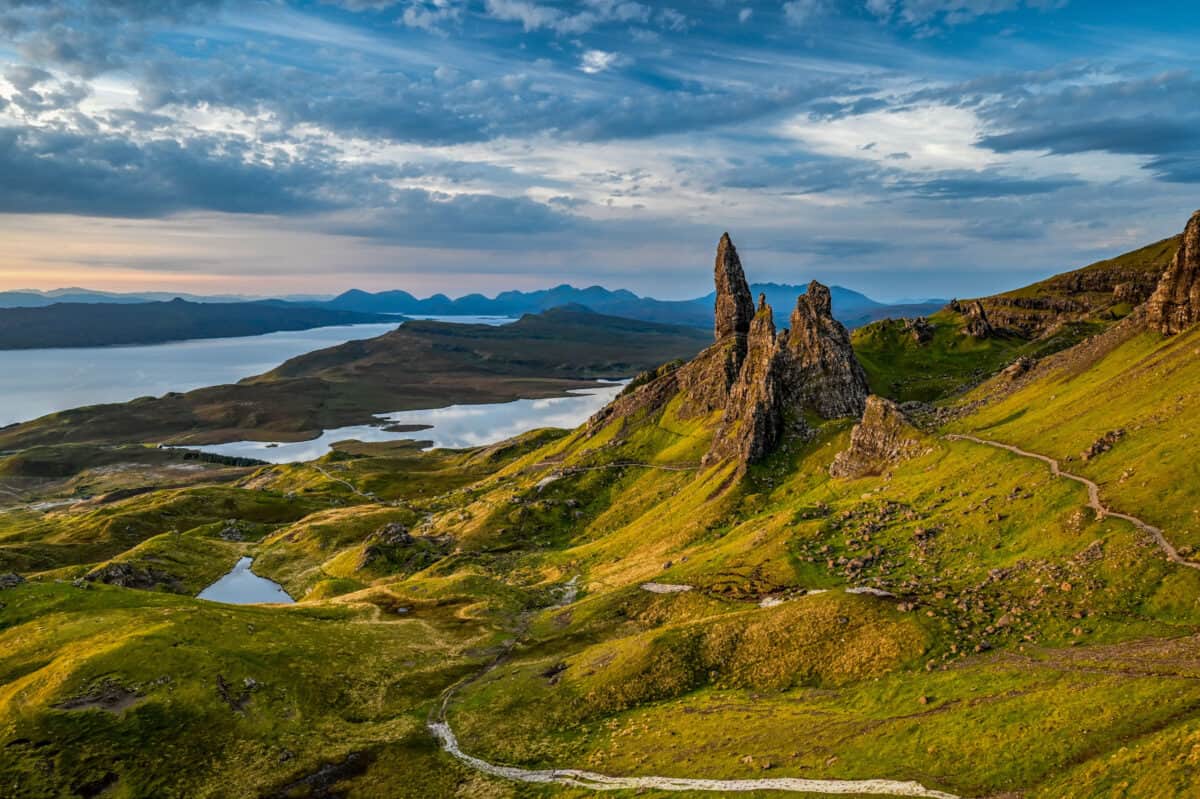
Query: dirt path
column 602, row 782
column 344, row 482
column 440, row 727
column 666, row 467
column 1094, row 501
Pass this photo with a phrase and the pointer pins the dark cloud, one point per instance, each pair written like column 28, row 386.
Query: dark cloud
column 972, row 185
column 425, row 218
column 57, row 171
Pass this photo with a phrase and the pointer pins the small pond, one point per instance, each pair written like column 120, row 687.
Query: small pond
column 243, row 587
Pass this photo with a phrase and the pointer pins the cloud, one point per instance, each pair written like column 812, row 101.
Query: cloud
column 951, row 12
column 799, row 12
column 56, row 171
column 967, row 185
column 595, row 61
column 745, row 14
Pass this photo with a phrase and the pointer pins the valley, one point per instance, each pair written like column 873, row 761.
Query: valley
column 950, row 556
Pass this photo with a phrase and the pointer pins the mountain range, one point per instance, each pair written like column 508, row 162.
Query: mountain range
column 850, row 307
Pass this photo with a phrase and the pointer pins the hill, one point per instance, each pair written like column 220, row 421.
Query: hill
column 745, row 575
column 421, row 364
column 69, row 324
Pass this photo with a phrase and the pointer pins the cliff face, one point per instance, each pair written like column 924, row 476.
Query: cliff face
column 762, row 381
column 826, row 375
column 882, row 438
column 1175, row 304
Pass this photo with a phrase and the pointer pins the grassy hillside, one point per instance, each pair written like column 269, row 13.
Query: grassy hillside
column 600, row 599
column 1034, row 321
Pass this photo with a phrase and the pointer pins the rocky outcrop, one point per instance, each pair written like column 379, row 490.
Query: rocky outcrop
column 825, row 374
column 735, row 307
column 10, row 580
column 127, row 575
column 920, row 329
column 1019, row 367
column 978, row 325
column 1175, row 304
column 883, row 437
column 761, row 381
column 754, row 418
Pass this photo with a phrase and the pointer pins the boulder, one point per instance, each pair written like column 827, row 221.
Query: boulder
column 10, row 580
column 883, row 437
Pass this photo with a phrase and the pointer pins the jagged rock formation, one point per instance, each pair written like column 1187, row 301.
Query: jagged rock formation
column 754, row 417
column 882, row 438
column 762, row 381
column 1175, row 304
column 977, row 321
column 826, row 375
column 735, row 307
column 921, row 330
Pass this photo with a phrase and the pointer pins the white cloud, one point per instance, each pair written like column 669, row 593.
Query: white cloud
column 596, row 61
column 745, row 14
column 934, row 137
column 430, row 15
column 798, row 12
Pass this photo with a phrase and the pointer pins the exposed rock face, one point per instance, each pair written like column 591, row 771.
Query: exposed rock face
column 735, row 307
column 825, row 374
column 920, row 329
column 883, row 437
column 1175, row 304
column 977, row 321
column 754, row 418
column 1019, row 367
column 127, row 575
column 10, row 580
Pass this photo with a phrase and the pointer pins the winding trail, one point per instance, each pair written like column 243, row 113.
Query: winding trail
column 1094, row 501
column 666, row 467
column 354, row 489
column 603, row 782
column 439, row 726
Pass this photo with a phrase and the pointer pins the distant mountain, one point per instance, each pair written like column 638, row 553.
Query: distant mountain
column 850, row 307
column 32, row 298
column 73, row 324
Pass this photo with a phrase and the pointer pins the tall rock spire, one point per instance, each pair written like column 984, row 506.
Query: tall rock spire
column 735, row 308
column 754, row 418
column 826, row 374
column 1175, row 304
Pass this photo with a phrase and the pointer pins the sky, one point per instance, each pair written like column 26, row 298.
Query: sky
column 904, row 148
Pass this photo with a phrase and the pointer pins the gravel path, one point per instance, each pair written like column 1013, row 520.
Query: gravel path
column 1094, row 501
column 603, row 782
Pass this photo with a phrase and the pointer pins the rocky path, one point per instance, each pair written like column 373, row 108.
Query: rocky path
column 577, row 778
column 344, row 482
column 1094, row 501
column 602, row 782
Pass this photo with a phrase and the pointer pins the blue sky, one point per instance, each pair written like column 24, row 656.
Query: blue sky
column 905, row 148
